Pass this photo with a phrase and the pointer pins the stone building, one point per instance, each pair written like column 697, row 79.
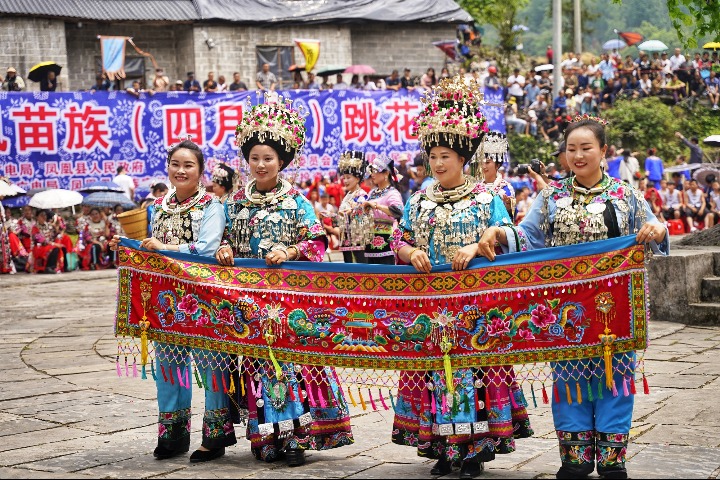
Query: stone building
column 223, row 36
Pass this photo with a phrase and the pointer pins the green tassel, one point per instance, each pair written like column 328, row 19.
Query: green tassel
column 143, row 375
column 152, row 370
column 532, row 391
column 392, row 400
column 197, row 378
column 590, row 394
column 466, row 401
column 600, row 389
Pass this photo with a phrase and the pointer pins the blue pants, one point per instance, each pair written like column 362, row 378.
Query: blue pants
column 596, row 423
column 174, row 378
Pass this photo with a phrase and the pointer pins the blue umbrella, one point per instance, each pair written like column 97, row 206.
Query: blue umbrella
column 16, row 202
column 102, row 187
column 108, row 199
column 614, row 43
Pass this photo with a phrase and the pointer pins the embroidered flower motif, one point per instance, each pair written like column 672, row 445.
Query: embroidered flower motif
column 203, row 320
column 526, row 334
column 188, row 304
column 225, row 316
column 498, row 326
column 443, row 318
column 542, row 316
column 228, row 428
column 378, row 241
column 162, row 430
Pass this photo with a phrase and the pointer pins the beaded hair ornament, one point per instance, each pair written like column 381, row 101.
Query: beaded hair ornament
column 580, row 118
column 220, row 174
column 452, row 116
column 275, row 123
column 352, row 162
column 181, row 138
column 495, row 146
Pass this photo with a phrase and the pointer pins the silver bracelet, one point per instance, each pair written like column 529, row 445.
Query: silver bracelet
column 281, row 248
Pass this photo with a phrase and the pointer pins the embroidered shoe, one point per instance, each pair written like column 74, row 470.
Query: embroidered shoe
column 442, row 467
column 206, row 455
column 162, row 453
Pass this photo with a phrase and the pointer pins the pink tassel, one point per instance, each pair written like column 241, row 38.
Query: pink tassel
column 127, row 372
column 512, row 400
column 117, row 366
column 372, row 401
column 311, row 397
column 382, row 400
column 134, row 369
column 321, row 399
column 444, row 406
column 614, row 390
column 179, row 377
column 188, row 385
column 433, row 404
column 625, row 387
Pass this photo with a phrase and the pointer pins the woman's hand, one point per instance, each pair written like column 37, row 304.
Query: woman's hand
column 420, row 260
column 486, row 245
column 464, row 255
column 114, row 242
column 152, row 244
column 649, row 232
column 276, row 257
column 224, row 256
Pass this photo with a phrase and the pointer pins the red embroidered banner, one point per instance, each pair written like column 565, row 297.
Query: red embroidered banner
column 553, row 304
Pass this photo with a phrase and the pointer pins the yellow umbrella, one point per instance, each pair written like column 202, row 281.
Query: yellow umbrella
column 40, row 71
column 713, row 45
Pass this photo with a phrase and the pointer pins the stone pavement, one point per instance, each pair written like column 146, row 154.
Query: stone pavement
column 65, row 413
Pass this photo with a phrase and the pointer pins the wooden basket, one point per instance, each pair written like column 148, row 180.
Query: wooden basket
column 134, row 223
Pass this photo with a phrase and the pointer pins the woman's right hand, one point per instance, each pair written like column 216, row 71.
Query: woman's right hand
column 486, row 245
column 420, row 260
column 224, row 256
column 113, row 243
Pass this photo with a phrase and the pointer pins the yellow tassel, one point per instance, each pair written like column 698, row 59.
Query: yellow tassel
column 567, row 392
column 449, row 383
column 352, row 400
column 579, row 393
column 232, row 385
column 143, row 348
column 362, row 400
column 608, row 367
column 242, row 383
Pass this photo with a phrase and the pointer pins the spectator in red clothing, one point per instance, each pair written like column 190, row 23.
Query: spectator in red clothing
column 549, row 54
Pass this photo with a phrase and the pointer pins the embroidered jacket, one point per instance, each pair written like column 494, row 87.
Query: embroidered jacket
column 197, row 230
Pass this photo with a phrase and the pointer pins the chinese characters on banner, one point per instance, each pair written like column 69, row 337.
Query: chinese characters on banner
column 67, row 140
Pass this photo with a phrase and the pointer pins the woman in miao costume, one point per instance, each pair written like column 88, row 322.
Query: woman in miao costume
column 223, row 181
column 384, row 206
column 291, row 407
column 494, row 149
column 352, row 220
column 587, row 207
column 443, row 224
column 188, row 220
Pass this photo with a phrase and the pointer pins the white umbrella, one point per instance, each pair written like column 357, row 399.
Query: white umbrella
column 6, row 190
column 547, row 66
column 712, row 140
column 652, row 46
column 56, row 198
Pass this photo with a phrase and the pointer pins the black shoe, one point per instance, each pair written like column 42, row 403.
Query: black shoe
column 569, row 471
column 471, row 468
column 442, row 467
column 294, row 457
column 206, row 455
column 162, row 453
column 613, row 473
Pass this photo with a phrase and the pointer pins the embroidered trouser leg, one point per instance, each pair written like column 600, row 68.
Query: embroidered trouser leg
column 218, row 429
column 583, row 405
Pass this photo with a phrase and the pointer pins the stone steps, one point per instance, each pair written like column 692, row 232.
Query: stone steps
column 710, row 289
column 705, row 313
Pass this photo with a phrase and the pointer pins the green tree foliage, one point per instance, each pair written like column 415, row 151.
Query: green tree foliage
column 523, row 148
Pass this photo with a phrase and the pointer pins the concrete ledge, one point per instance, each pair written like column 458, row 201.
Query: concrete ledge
column 26, row 279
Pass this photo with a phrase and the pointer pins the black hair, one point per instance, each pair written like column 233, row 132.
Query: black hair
column 694, row 139
column 228, row 180
column 190, row 145
column 119, row 169
column 95, row 209
column 595, row 127
column 159, row 186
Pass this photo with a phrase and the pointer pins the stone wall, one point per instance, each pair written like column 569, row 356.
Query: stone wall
column 170, row 44
column 235, row 47
column 389, row 46
column 28, row 41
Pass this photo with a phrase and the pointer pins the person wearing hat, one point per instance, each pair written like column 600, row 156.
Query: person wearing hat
column 511, row 119
column 13, row 82
column 384, row 204
column 495, row 148
column 353, row 222
column 272, row 220
column 492, row 80
column 443, row 224
column 191, row 85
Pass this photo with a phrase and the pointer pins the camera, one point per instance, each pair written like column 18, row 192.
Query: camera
column 523, row 168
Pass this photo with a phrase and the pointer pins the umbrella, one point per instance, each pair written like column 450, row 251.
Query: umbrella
column 652, row 46
column 713, row 45
column 331, row 70
column 102, row 187
column 701, row 174
column 5, row 190
column 40, row 71
column 631, row 38
column 712, row 140
column 16, row 202
column 33, row 191
column 108, row 199
column 520, row 28
column 296, row 68
column 614, row 43
column 360, row 70
column 449, row 47
column 546, row 66
column 56, row 198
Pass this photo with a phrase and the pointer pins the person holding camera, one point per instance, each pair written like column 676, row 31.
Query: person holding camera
column 13, row 83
